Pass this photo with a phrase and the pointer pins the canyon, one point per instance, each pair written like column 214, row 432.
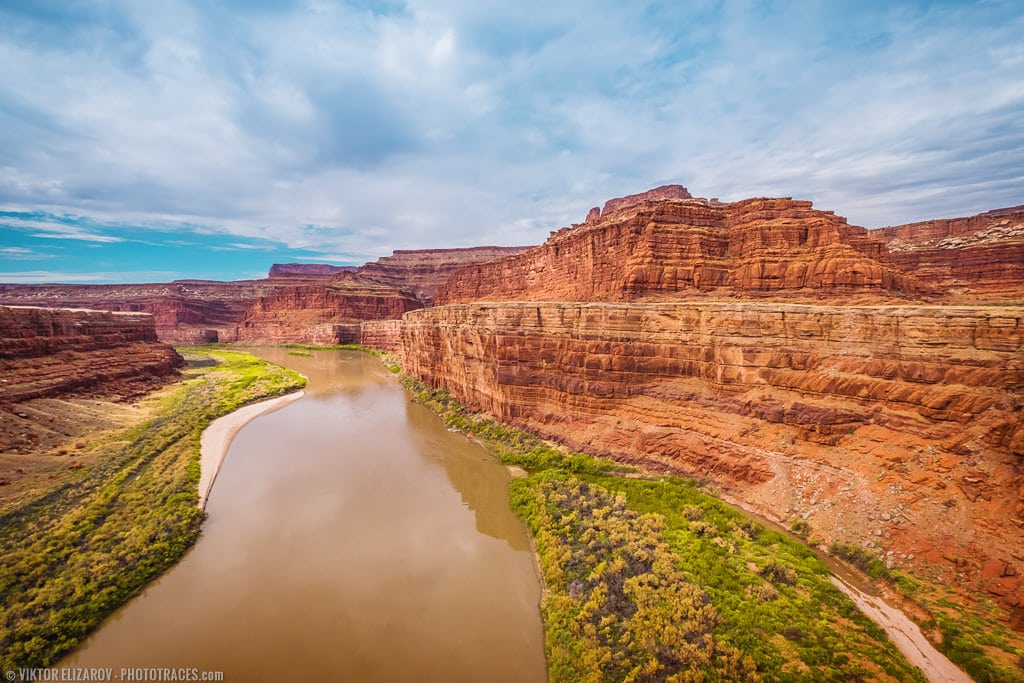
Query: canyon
column 866, row 383
column 862, row 382
column 297, row 303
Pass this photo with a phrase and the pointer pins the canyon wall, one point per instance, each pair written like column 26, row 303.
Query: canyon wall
column 184, row 311
column 977, row 258
column 321, row 313
column 51, row 351
column 300, row 302
column 384, row 335
column 686, row 248
column 897, row 427
column 422, row 272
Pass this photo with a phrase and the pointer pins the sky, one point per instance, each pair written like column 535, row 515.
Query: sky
column 149, row 141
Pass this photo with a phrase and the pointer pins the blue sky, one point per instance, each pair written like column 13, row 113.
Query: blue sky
column 148, row 141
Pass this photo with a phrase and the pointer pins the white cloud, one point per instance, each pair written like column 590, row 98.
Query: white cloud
column 455, row 123
column 44, row 276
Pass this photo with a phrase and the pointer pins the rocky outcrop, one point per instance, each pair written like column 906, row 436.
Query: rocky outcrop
column 653, row 195
column 897, row 427
column 422, row 272
column 686, row 248
column 51, row 352
column 978, row 258
column 321, row 313
column 337, row 298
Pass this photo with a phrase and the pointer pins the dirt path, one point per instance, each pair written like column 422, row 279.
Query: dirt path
column 906, row 636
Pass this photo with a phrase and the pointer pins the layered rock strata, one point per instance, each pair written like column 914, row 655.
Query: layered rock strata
column 685, row 248
column 299, row 302
column 321, row 313
column 977, row 258
column 385, row 335
column 897, row 427
column 51, row 352
column 184, row 311
column 423, row 272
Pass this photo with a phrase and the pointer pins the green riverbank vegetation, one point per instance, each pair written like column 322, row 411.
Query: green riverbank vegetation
column 648, row 579
column 75, row 554
column 609, row 538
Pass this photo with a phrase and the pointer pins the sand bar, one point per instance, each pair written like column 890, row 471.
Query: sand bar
column 213, row 446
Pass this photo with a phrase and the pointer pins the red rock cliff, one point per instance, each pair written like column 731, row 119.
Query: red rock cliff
column 50, row 352
column 673, row 249
column 185, row 311
column 321, row 312
column 897, row 427
column 978, row 258
column 422, row 272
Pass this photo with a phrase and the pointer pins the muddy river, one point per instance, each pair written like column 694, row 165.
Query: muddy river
column 350, row 537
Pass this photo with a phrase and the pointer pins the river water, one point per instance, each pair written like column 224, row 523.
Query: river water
column 350, row 537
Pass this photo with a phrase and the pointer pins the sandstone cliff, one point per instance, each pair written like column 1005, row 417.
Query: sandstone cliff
column 273, row 310
column 423, row 272
column 50, row 352
column 654, row 195
column 684, row 248
column 184, row 311
column 320, row 312
column 897, row 427
column 978, row 258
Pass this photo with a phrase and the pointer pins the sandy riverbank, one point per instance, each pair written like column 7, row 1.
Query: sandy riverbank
column 216, row 439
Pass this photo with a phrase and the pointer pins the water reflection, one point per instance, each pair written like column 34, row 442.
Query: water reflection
column 484, row 490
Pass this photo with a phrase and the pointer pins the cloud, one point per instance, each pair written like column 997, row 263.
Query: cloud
column 49, row 276
column 362, row 127
column 22, row 254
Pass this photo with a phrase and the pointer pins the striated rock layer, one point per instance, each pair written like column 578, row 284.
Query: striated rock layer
column 51, row 352
column 423, row 272
column 685, row 248
column 898, row 427
column 322, row 312
column 967, row 259
column 184, row 311
column 299, row 302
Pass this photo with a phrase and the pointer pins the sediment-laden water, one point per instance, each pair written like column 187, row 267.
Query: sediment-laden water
column 350, row 537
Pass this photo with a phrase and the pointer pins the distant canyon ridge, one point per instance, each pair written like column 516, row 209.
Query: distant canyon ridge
column 867, row 382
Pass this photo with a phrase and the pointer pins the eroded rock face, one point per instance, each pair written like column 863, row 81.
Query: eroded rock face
column 978, row 258
column 307, row 269
column 185, row 311
column 385, row 335
column 51, row 352
column 898, row 427
column 422, row 272
column 685, row 248
column 322, row 312
column 300, row 302
column 653, row 195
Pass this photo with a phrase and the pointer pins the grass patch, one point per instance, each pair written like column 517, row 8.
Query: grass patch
column 70, row 558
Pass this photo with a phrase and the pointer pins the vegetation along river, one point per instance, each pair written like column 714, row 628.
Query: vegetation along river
column 350, row 536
